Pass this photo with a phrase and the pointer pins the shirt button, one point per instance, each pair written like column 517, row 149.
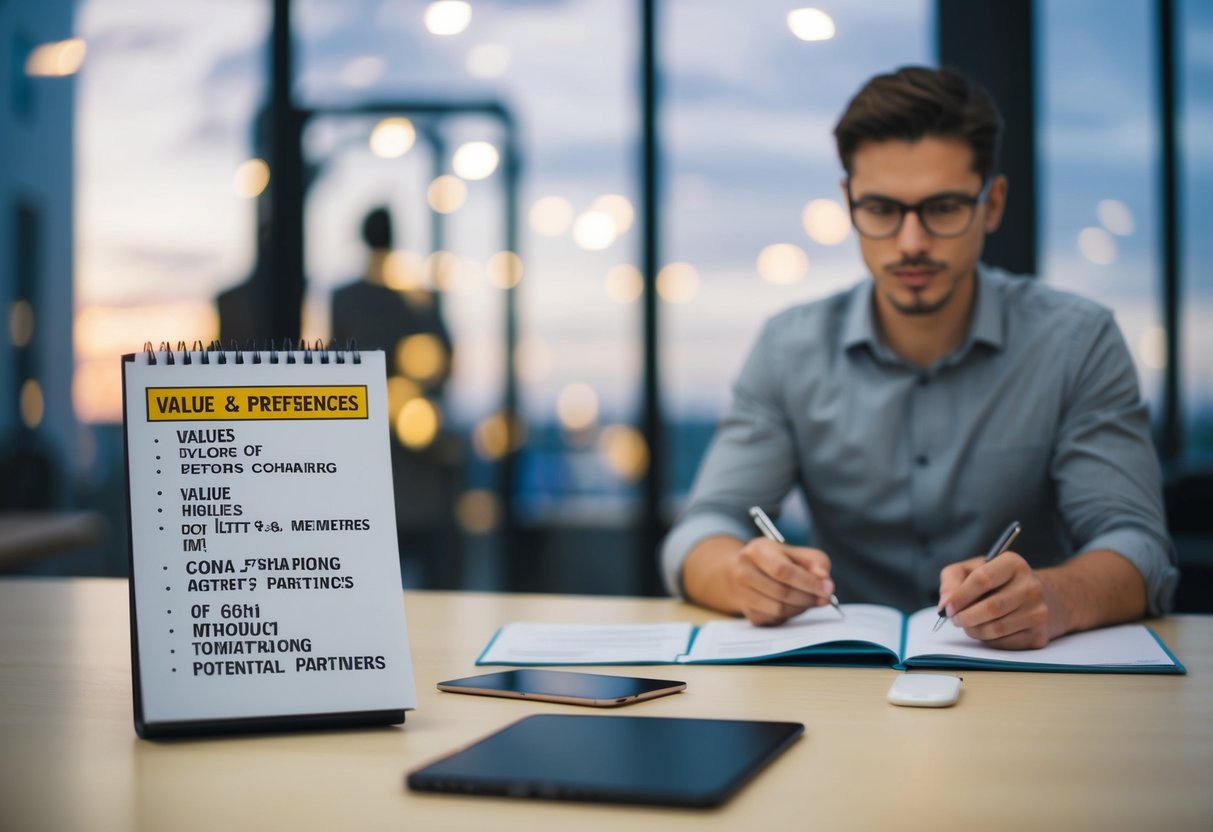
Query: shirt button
column 922, row 460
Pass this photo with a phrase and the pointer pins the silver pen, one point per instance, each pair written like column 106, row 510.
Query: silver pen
column 1003, row 543
column 769, row 531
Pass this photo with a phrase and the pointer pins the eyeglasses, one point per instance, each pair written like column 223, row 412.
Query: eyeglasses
column 942, row 215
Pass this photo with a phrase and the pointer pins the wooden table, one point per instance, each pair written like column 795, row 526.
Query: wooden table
column 1020, row 751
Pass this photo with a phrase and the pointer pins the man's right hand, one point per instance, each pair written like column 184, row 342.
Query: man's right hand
column 765, row 581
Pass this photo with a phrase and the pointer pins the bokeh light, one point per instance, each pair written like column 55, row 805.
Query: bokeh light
column 623, row 283
column 392, row 137
column 488, row 60
column 363, row 71
column 32, row 405
column 478, row 511
column 417, row 423
column 1097, row 245
column 811, row 24
column 20, row 323
column 1115, row 216
column 577, row 406
column 421, row 357
column 1152, row 347
column 826, row 222
column 551, row 216
column 447, row 17
column 532, row 358
column 618, row 208
column 782, row 263
column 504, row 270
column 404, row 270
column 56, row 59
column 678, row 282
column 251, row 178
column 624, row 451
column 475, row 160
column 594, row 231
column 446, row 194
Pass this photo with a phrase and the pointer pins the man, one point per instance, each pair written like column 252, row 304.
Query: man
column 404, row 323
column 926, row 408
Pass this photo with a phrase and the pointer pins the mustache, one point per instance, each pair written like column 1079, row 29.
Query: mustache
column 916, row 263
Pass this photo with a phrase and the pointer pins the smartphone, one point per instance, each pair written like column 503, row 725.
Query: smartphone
column 598, row 690
column 925, row 690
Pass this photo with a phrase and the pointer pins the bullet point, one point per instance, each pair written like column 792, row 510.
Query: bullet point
column 157, row 456
column 174, row 670
column 157, row 470
column 160, row 511
column 157, row 441
column 159, row 493
column 162, row 529
column 167, row 588
column 165, row 568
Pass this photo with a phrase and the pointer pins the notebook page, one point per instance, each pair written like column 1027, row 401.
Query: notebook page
column 541, row 643
column 1124, row 645
column 737, row 639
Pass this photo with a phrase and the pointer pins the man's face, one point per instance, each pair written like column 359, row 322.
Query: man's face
column 918, row 273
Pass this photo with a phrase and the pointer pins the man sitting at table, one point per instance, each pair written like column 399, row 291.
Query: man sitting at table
column 927, row 407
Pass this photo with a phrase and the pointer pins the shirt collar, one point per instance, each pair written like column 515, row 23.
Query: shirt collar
column 986, row 325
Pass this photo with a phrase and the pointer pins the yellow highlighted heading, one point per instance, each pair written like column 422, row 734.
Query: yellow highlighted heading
column 213, row 404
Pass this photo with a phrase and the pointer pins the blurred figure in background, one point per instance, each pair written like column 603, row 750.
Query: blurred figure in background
column 406, row 323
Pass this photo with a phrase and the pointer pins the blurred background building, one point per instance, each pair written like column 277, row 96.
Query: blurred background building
column 606, row 198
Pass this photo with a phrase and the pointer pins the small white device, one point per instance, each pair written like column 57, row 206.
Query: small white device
column 925, row 690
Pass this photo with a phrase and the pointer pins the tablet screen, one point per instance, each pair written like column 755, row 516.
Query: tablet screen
column 622, row 759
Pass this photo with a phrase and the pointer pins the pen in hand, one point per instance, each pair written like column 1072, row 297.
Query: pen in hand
column 1001, row 545
column 769, row 531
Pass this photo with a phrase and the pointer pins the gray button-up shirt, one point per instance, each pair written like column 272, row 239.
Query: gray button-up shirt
column 1037, row 417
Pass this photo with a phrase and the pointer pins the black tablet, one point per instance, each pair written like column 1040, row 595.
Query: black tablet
column 617, row 759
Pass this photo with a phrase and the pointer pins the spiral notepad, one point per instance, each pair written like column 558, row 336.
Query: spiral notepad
column 265, row 576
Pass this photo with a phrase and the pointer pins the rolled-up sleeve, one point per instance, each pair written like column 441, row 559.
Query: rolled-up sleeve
column 1105, row 467
column 751, row 461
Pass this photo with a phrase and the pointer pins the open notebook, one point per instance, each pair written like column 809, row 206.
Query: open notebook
column 869, row 635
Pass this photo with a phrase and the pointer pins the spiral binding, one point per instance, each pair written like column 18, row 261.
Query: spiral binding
column 315, row 353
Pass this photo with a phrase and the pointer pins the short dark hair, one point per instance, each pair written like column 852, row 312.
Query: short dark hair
column 915, row 102
column 377, row 228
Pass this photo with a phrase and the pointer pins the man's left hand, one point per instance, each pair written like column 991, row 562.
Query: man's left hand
column 1002, row 602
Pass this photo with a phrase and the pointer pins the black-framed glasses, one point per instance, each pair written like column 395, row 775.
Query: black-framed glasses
column 942, row 215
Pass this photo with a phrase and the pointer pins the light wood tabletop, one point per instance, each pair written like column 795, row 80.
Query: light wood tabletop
column 1019, row 751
